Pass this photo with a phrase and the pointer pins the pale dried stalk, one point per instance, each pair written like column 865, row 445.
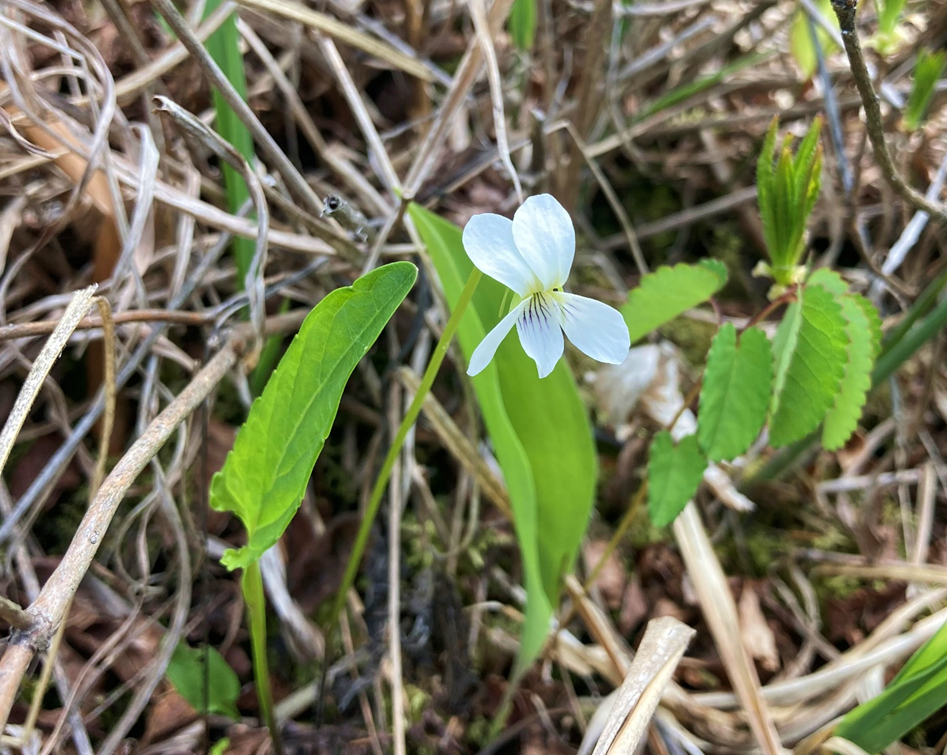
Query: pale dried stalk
column 253, row 283
column 720, row 611
column 267, row 144
column 111, row 391
column 661, row 649
column 129, row 87
column 342, row 32
column 354, row 99
column 44, row 363
column 478, row 13
column 49, row 608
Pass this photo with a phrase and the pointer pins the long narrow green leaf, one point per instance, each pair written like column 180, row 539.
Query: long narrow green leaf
column 918, row 690
column 265, row 475
column 927, row 72
column 765, row 185
column 224, row 47
column 540, row 432
column 523, row 24
column 783, row 191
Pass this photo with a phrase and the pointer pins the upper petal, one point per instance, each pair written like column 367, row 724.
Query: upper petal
column 545, row 237
column 595, row 328
column 488, row 241
column 491, row 342
column 539, row 331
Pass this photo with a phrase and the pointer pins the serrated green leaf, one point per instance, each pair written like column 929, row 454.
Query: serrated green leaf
column 916, row 692
column 735, row 393
column 668, row 292
column 810, row 351
column 186, row 671
column 830, row 280
column 265, row 475
column 523, row 24
column 863, row 327
column 540, row 431
column 765, row 185
column 674, row 474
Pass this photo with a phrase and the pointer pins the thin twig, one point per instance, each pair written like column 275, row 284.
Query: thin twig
column 41, row 367
column 48, row 610
column 845, row 11
column 261, row 136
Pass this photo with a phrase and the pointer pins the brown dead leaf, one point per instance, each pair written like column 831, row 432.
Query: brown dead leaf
column 167, row 713
column 667, row 607
column 611, row 578
column 34, row 461
column 634, row 607
column 758, row 637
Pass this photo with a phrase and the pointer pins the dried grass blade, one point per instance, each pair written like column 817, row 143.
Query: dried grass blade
column 660, row 651
column 44, row 362
column 478, row 12
column 342, row 32
column 720, row 611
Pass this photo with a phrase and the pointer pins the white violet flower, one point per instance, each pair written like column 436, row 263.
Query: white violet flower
column 532, row 255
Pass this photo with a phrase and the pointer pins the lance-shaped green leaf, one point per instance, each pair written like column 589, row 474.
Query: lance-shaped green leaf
column 916, row 692
column 265, row 475
column 927, row 72
column 669, row 291
column 674, row 474
column 735, row 392
column 863, row 326
column 189, row 669
column 800, row 38
column 539, row 429
column 523, row 24
column 787, row 188
column 810, row 352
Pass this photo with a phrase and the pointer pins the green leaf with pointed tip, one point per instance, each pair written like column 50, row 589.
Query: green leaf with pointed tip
column 668, row 292
column 917, row 691
column 674, row 474
column 735, row 392
column 540, row 431
column 864, row 341
column 810, row 352
column 800, row 39
column 265, row 475
column 927, row 72
column 523, row 24
column 783, row 196
column 765, row 181
column 186, row 671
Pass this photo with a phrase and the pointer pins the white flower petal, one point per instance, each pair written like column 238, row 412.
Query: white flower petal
column 491, row 342
column 595, row 328
column 545, row 238
column 540, row 333
column 488, row 241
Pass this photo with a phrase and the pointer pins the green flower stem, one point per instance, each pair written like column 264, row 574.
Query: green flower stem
column 251, row 583
column 440, row 351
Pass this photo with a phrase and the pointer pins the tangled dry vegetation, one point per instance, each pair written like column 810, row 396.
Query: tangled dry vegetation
column 645, row 120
